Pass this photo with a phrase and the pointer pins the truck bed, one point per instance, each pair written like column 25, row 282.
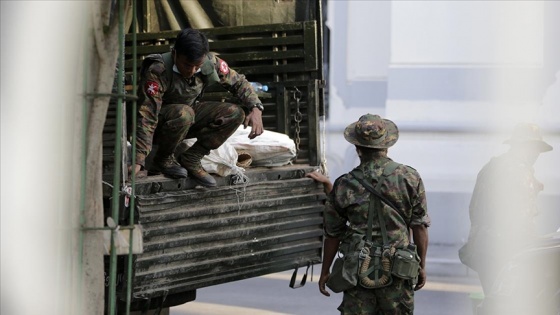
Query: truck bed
column 195, row 237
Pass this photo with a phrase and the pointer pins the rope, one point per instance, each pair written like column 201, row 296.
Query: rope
column 239, row 178
column 365, row 270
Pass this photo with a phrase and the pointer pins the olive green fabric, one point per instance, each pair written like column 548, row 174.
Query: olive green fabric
column 253, row 12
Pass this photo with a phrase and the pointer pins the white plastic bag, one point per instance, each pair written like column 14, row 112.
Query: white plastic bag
column 269, row 149
column 221, row 161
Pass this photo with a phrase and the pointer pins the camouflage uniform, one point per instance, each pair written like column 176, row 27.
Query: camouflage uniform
column 346, row 214
column 503, row 205
column 169, row 111
column 502, row 209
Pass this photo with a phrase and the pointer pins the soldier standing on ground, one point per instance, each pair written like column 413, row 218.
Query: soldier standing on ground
column 170, row 111
column 503, row 206
column 346, row 215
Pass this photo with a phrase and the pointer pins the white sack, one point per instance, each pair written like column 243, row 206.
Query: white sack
column 269, row 149
column 221, row 161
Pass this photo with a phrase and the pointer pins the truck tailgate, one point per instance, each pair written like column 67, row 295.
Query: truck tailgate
column 195, row 238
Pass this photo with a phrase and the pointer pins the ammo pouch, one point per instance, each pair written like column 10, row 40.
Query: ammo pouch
column 344, row 273
column 406, row 263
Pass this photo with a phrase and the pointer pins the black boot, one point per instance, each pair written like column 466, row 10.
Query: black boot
column 168, row 166
column 190, row 160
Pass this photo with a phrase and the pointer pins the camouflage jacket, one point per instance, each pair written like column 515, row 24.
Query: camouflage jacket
column 155, row 91
column 347, row 206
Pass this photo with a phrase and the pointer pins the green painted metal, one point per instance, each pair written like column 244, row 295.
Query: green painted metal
column 133, row 177
column 117, row 164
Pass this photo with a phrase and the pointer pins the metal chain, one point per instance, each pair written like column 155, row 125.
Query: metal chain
column 324, row 168
column 298, row 117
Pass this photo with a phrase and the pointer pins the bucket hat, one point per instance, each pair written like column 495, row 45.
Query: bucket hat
column 372, row 131
column 528, row 134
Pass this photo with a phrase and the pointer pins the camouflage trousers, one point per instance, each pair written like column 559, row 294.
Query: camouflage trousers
column 395, row 299
column 211, row 123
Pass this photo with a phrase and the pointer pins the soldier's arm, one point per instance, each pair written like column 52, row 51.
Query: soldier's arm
column 319, row 177
column 238, row 85
column 330, row 248
column 419, row 224
column 151, row 90
column 420, row 236
column 334, row 222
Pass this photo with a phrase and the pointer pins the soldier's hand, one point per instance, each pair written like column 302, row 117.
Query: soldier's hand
column 254, row 119
column 322, row 284
column 421, row 280
column 319, row 177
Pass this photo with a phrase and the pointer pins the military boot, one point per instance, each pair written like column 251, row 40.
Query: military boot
column 168, row 166
column 190, row 160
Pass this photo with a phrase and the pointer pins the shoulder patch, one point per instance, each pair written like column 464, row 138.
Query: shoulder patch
column 224, row 69
column 151, row 88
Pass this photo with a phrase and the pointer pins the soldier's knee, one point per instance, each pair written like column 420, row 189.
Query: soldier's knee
column 183, row 117
column 230, row 115
column 236, row 113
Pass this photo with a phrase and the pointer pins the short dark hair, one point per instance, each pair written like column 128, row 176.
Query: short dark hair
column 192, row 44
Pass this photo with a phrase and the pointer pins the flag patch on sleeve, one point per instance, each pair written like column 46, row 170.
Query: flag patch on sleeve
column 224, row 69
column 152, row 88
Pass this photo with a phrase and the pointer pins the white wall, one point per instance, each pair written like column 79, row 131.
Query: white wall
column 455, row 76
column 456, row 33
column 368, row 49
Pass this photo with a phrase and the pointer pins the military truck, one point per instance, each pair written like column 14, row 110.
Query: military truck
column 196, row 237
